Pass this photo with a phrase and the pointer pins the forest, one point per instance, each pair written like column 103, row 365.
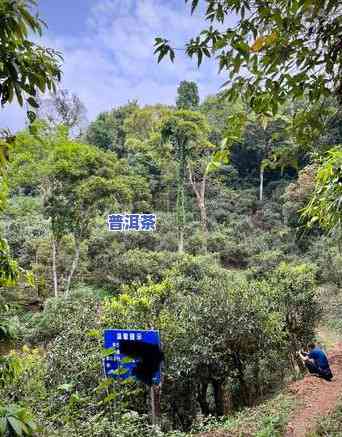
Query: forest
column 244, row 267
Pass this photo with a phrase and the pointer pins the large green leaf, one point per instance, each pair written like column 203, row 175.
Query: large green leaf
column 16, row 425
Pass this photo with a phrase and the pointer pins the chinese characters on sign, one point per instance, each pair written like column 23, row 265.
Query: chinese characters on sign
column 132, row 222
column 139, row 343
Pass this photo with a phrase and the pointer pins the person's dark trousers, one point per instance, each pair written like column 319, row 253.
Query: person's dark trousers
column 322, row 373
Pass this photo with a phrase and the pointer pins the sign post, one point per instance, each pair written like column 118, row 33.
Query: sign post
column 136, row 354
column 155, row 401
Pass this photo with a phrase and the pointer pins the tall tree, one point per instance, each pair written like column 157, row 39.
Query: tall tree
column 25, row 68
column 187, row 95
column 269, row 139
column 147, row 154
column 196, row 157
column 208, row 158
column 181, row 130
column 217, row 109
column 77, row 183
column 107, row 131
column 282, row 48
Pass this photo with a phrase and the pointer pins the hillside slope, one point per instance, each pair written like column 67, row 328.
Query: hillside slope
column 318, row 397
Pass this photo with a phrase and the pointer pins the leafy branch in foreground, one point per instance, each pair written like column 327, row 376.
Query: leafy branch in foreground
column 16, row 421
column 276, row 49
column 25, row 67
column 325, row 206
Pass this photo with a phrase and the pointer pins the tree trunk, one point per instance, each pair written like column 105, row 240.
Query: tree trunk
column 244, row 392
column 258, row 386
column 73, row 266
column 297, row 358
column 155, row 404
column 200, row 200
column 181, row 240
column 227, row 400
column 261, row 189
column 294, row 347
column 218, row 395
column 168, row 200
column 339, row 239
column 180, row 208
column 54, row 266
column 204, row 225
column 202, row 398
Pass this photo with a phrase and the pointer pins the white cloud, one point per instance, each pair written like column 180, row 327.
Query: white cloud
column 114, row 62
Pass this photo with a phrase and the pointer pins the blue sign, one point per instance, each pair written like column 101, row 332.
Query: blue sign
column 131, row 222
column 144, row 359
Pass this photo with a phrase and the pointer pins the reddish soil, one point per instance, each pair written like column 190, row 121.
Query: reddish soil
column 317, row 397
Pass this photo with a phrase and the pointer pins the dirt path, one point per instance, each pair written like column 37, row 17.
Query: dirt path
column 317, row 397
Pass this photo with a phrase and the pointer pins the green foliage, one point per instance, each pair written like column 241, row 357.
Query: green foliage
column 217, row 110
column 76, row 182
column 21, row 378
column 266, row 419
column 25, row 67
column 187, row 128
column 9, row 273
column 328, row 259
column 16, row 421
column 324, row 208
column 24, row 226
column 73, row 356
column 187, row 132
column 187, row 95
column 230, row 320
column 58, row 312
column 9, row 324
column 282, row 35
column 292, row 288
column 136, row 265
column 297, row 195
column 8, row 267
column 218, row 328
column 10, row 369
column 108, row 132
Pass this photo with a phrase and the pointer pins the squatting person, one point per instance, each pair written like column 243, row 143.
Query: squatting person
column 316, row 362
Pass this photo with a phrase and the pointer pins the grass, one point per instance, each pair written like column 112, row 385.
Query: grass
column 328, row 337
column 268, row 419
column 330, row 425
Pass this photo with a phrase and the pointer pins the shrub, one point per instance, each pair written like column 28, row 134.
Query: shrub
column 219, row 330
column 291, row 289
column 16, row 420
column 58, row 315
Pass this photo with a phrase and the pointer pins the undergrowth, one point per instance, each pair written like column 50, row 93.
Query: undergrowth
column 268, row 419
column 330, row 425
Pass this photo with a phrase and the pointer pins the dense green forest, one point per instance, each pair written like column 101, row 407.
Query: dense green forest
column 244, row 265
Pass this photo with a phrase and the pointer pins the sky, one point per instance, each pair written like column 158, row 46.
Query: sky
column 107, row 46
